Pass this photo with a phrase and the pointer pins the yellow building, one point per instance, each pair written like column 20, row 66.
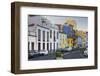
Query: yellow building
column 63, row 38
column 70, row 42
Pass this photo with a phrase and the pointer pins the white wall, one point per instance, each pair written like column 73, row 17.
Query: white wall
column 5, row 42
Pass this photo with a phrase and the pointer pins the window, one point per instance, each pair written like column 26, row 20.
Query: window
column 57, row 45
column 47, row 36
column 68, row 41
column 39, row 35
column 43, row 35
column 39, row 46
column 32, row 45
column 43, row 20
column 46, row 24
column 47, row 46
column 50, row 46
column 71, row 42
column 57, row 35
column 43, row 46
column 54, row 36
column 54, row 46
column 50, row 33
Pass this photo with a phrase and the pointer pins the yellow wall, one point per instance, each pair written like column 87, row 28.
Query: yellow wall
column 63, row 42
column 70, row 42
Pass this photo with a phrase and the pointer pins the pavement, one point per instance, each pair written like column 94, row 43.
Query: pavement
column 77, row 54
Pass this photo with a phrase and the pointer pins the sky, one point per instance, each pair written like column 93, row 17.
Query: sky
column 82, row 22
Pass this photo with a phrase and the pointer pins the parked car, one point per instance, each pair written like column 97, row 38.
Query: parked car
column 68, row 48
column 44, row 52
column 75, row 48
column 32, row 54
column 86, row 52
column 65, row 49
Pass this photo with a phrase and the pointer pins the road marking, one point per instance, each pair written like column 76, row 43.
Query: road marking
column 66, row 53
column 70, row 52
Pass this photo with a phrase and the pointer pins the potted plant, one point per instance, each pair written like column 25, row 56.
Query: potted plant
column 59, row 55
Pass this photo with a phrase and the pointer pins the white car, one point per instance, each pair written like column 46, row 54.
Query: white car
column 86, row 53
column 44, row 52
column 68, row 48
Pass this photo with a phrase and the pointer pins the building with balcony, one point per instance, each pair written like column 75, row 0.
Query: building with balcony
column 42, row 34
column 71, row 37
column 62, row 40
column 62, row 37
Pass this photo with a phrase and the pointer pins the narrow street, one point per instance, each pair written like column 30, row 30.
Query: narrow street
column 77, row 54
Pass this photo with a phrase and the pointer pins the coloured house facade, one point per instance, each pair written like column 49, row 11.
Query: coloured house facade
column 82, row 38
column 62, row 40
column 62, row 37
column 84, row 42
column 79, row 41
column 44, row 35
column 70, row 35
column 86, row 39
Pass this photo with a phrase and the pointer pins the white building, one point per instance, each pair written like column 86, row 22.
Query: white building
column 32, row 37
column 62, row 37
column 42, row 35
